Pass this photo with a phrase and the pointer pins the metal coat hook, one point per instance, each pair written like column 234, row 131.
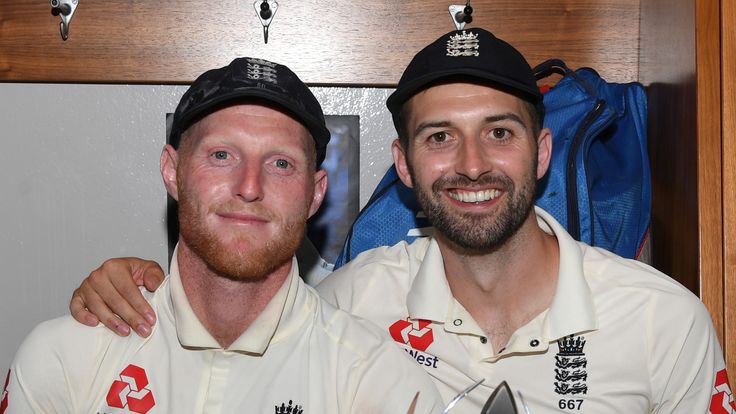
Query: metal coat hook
column 266, row 9
column 65, row 9
column 461, row 14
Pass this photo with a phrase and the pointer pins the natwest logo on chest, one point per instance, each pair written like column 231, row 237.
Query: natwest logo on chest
column 416, row 334
column 130, row 391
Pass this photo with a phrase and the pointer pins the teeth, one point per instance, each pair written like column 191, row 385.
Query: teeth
column 475, row 196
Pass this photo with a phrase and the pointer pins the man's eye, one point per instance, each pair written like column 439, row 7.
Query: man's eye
column 438, row 137
column 220, row 155
column 282, row 163
column 500, row 133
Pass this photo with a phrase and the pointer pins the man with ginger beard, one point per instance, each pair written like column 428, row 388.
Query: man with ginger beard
column 501, row 292
column 238, row 330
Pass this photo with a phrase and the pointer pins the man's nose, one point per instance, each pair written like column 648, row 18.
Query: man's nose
column 249, row 185
column 471, row 161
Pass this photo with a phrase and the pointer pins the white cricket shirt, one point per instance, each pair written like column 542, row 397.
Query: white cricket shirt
column 619, row 336
column 300, row 356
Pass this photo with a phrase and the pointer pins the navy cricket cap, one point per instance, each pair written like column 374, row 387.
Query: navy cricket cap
column 247, row 80
column 472, row 54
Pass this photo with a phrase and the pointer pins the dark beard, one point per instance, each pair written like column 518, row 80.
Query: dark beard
column 478, row 232
column 263, row 258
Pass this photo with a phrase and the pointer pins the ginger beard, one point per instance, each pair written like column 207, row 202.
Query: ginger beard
column 478, row 232
column 225, row 255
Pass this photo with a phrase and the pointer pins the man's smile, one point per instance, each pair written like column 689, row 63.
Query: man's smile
column 478, row 196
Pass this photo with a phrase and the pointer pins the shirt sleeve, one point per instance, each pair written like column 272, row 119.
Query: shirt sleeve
column 42, row 377
column 686, row 362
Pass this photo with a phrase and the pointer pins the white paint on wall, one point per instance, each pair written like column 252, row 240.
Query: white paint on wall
column 80, row 183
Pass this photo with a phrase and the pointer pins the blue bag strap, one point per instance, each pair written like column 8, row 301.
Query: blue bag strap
column 549, row 67
column 558, row 66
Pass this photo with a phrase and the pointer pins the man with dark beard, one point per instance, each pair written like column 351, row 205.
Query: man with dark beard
column 501, row 291
column 238, row 331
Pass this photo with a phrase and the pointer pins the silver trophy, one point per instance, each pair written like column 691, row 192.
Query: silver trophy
column 501, row 400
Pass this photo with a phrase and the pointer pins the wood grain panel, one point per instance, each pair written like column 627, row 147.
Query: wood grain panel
column 326, row 42
column 668, row 68
column 683, row 69
column 728, row 66
column 710, row 212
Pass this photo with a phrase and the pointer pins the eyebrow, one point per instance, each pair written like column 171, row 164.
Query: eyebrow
column 427, row 125
column 506, row 116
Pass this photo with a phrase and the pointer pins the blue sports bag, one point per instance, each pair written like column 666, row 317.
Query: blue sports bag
column 598, row 185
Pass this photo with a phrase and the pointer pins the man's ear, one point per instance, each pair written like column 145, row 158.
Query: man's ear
column 402, row 166
column 544, row 152
column 169, row 164
column 320, row 188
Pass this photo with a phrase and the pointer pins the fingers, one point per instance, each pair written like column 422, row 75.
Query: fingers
column 80, row 312
column 101, row 299
column 126, row 277
column 151, row 274
column 111, row 294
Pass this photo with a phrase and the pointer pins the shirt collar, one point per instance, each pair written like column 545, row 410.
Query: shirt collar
column 277, row 319
column 430, row 296
column 572, row 309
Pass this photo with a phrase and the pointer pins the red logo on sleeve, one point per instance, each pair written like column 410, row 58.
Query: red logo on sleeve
column 4, row 401
column 130, row 391
column 722, row 400
column 417, row 333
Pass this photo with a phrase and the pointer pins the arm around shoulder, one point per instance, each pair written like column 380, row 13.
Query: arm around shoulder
column 111, row 295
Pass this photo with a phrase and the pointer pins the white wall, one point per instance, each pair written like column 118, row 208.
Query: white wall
column 80, row 183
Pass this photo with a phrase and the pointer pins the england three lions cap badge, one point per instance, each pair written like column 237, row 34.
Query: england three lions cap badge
column 463, row 44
